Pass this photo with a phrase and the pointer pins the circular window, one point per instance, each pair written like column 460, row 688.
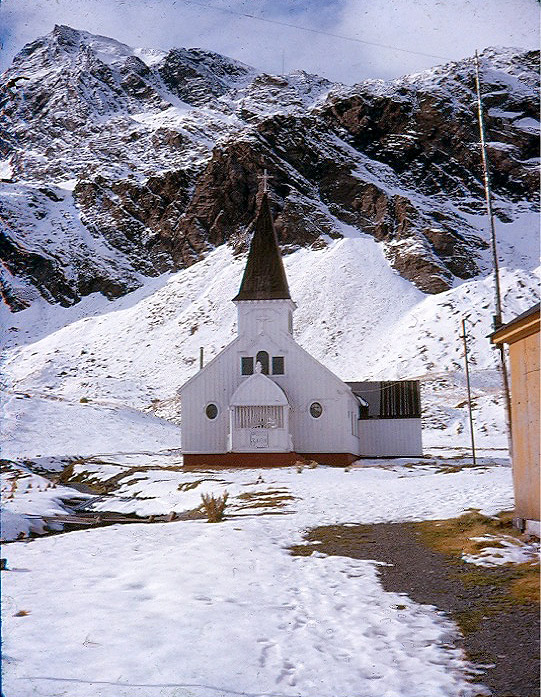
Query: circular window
column 316, row 410
column 211, row 411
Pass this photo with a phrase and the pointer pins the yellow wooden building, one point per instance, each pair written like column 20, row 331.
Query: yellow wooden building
column 522, row 336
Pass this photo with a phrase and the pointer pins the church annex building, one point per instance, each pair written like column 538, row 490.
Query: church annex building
column 264, row 400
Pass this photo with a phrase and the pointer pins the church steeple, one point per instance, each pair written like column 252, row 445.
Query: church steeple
column 264, row 276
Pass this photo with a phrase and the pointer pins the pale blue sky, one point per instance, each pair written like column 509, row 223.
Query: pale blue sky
column 451, row 29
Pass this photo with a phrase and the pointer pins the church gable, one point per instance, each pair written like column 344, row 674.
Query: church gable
column 318, row 371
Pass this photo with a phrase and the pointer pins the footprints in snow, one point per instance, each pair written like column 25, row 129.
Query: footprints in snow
column 271, row 653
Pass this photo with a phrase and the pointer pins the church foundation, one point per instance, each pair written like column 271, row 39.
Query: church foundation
column 263, row 459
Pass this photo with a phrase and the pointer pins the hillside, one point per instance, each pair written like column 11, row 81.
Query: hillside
column 129, row 182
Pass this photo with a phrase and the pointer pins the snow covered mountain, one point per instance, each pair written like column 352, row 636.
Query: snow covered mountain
column 124, row 171
column 121, row 163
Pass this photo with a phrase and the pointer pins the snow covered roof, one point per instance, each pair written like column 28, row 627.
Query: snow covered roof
column 264, row 276
column 258, row 390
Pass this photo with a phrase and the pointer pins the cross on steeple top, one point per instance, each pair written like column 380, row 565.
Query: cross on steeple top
column 265, row 179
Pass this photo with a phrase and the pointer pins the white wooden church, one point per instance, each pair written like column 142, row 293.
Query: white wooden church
column 264, row 400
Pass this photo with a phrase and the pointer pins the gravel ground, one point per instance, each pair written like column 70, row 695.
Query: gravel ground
column 499, row 636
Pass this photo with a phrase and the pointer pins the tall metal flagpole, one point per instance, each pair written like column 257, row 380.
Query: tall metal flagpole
column 488, row 198
column 468, row 386
column 497, row 319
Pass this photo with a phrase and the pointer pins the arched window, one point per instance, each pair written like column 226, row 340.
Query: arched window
column 263, row 358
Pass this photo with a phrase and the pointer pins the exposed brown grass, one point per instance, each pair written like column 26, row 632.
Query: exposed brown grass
column 66, row 474
column 454, row 536
column 188, row 486
column 271, row 498
column 331, row 537
column 470, row 620
column 12, row 488
column 99, row 482
column 525, row 587
column 517, row 582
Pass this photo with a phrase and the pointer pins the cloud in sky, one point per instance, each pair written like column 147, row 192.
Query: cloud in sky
column 451, row 29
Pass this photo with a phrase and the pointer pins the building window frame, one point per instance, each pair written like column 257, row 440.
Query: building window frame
column 212, row 411
column 246, row 365
column 250, row 417
column 278, row 365
column 316, row 409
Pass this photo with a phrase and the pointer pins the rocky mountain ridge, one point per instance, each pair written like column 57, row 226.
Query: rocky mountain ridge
column 120, row 164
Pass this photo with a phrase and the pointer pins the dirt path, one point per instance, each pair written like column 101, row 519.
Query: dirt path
column 499, row 634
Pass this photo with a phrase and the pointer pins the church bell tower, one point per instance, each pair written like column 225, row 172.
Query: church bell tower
column 263, row 302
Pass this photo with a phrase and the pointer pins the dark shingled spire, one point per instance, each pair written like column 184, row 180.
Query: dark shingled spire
column 264, row 276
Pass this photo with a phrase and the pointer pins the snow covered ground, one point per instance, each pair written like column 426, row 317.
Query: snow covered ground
column 193, row 609
column 26, row 498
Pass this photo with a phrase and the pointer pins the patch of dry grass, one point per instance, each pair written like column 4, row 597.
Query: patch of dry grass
column 516, row 582
column 453, row 536
column 99, row 482
column 336, row 537
column 525, row 588
column 271, row 498
column 188, row 486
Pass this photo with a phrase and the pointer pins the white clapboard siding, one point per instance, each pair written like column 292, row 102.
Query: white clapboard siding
column 276, row 316
column 390, row 438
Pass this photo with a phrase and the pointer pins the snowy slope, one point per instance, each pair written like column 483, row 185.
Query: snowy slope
column 371, row 325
